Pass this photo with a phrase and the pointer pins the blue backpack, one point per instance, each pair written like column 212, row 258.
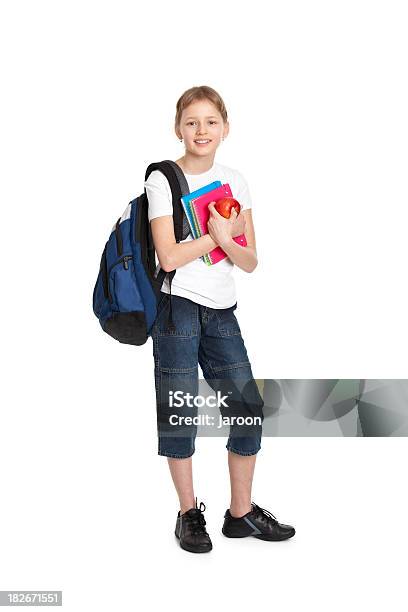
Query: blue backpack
column 127, row 290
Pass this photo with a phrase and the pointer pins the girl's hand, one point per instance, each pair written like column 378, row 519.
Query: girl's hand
column 238, row 225
column 221, row 229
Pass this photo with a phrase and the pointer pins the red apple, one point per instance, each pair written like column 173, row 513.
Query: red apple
column 224, row 205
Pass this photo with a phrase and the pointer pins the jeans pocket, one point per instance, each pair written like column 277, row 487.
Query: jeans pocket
column 227, row 321
column 184, row 315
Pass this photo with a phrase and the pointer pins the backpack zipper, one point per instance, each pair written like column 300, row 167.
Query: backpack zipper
column 118, row 235
column 123, row 260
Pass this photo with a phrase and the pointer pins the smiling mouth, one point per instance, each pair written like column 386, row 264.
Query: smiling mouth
column 202, row 142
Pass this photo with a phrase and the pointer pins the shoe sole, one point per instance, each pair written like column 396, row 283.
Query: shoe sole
column 190, row 549
column 261, row 537
column 272, row 539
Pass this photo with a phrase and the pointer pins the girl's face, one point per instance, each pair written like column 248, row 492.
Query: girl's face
column 201, row 121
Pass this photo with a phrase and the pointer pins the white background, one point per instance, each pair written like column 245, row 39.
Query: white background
column 317, row 95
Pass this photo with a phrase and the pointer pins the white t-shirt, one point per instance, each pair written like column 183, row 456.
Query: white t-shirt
column 214, row 285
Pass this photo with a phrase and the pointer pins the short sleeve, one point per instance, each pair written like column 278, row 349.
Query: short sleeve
column 242, row 192
column 158, row 195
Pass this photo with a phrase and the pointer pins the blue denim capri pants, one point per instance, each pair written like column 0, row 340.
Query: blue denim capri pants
column 210, row 337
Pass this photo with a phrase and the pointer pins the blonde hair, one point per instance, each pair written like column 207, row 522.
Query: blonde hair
column 202, row 92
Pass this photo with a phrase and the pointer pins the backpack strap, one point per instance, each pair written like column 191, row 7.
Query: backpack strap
column 179, row 187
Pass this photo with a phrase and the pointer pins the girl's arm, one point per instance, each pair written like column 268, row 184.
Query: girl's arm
column 171, row 254
column 222, row 230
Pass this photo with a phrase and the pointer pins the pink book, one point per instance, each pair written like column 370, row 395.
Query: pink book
column 202, row 214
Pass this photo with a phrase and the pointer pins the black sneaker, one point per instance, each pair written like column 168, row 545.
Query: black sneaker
column 191, row 531
column 259, row 523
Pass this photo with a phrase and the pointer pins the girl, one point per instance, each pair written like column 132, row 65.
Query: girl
column 206, row 330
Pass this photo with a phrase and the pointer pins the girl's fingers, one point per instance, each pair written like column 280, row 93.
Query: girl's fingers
column 212, row 209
